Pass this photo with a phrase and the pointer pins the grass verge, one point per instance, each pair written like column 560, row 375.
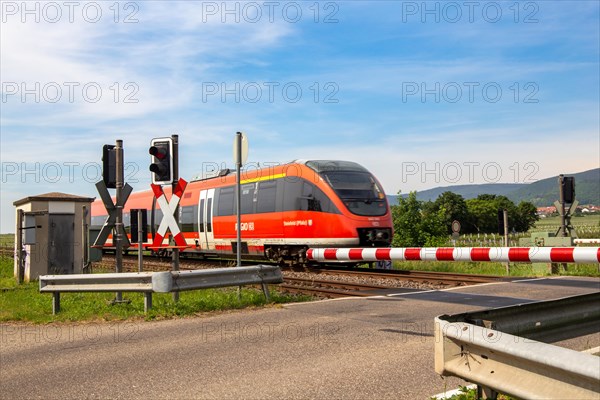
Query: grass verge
column 490, row 268
column 25, row 303
column 466, row 393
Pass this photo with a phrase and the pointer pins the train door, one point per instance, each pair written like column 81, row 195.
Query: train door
column 205, row 219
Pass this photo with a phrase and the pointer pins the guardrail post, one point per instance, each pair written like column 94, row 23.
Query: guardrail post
column 265, row 289
column 55, row 303
column 147, row 301
column 486, row 393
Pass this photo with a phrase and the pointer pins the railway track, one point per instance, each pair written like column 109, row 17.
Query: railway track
column 441, row 278
column 327, row 282
column 157, row 264
column 329, row 288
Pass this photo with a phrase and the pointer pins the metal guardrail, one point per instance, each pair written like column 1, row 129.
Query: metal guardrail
column 159, row 282
column 124, row 282
column 484, row 348
column 164, row 282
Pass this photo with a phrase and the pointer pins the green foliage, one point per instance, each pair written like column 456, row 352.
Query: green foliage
column 7, row 240
column 483, row 214
column 479, row 215
column 416, row 225
column 455, row 208
column 467, row 393
column 526, row 216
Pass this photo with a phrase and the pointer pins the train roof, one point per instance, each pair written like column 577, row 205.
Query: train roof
column 332, row 165
column 316, row 165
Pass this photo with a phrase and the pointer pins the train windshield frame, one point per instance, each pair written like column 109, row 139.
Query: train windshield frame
column 355, row 186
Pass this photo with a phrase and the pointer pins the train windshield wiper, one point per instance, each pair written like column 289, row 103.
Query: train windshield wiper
column 367, row 200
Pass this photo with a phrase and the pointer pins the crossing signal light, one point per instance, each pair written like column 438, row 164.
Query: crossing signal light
column 109, row 166
column 568, row 189
column 134, row 225
column 161, row 150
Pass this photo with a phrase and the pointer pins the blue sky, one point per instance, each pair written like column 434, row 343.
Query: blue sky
column 423, row 94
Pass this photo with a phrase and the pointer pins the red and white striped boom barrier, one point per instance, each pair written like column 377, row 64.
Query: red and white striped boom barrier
column 494, row 254
column 586, row 241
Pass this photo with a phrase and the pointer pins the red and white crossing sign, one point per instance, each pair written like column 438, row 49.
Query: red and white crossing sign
column 168, row 209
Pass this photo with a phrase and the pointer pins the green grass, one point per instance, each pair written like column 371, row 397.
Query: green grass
column 587, row 226
column 592, row 220
column 485, row 268
column 489, row 268
column 471, row 394
column 7, row 240
column 25, row 303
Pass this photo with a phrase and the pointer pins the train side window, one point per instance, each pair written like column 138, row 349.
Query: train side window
column 195, row 218
column 291, row 194
column 209, row 216
column 149, row 221
column 266, row 198
column 247, row 198
column 187, row 218
column 126, row 220
column 98, row 221
column 325, row 202
column 311, row 198
column 201, row 227
column 225, row 203
column 158, row 216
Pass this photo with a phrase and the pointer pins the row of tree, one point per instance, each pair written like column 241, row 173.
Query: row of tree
column 419, row 223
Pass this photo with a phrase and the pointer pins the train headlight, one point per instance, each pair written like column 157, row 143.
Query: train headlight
column 371, row 235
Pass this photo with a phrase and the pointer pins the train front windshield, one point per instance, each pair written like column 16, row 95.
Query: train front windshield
column 359, row 191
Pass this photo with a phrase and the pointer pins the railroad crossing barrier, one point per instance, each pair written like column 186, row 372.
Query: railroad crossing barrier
column 586, row 241
column 159, row 282
column 494, row 254
column 494, row 349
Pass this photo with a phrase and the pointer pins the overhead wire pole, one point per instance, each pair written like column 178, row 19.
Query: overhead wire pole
column 141, row 240
column 175, row 253
column 240, row 147
column 119, row 220
column 505, row 219
column 238, row 202
column 238, row 197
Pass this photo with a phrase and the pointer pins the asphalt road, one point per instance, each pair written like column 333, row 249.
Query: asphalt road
column 347, row 348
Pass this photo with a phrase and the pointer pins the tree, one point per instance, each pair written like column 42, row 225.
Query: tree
column 527, row 216
column 455, row 208
column 415, row 226
column 484, row 213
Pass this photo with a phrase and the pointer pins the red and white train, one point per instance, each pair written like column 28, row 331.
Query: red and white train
column 285, row 210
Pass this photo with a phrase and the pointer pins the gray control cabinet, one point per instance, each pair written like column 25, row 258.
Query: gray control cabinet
column 50, row 232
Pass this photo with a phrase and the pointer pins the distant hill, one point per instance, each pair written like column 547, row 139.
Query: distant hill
column 545, row 192
column 541, row 193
